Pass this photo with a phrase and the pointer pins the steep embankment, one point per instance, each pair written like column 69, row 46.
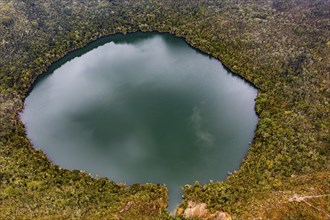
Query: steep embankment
column 282, row 47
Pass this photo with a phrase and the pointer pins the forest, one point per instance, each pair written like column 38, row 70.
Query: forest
column 280, row 46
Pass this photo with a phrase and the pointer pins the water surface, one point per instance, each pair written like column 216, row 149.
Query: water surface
column 141, row 108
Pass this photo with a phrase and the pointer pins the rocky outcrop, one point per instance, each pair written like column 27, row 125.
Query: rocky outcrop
column 199, row 211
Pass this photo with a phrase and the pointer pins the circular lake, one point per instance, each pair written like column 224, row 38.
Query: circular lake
column 144, row 107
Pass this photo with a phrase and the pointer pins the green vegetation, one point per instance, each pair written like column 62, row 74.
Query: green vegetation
column 282, row 47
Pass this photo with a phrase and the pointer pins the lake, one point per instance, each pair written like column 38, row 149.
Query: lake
column 142, row 108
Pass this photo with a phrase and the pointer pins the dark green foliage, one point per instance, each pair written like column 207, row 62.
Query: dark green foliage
column 282, row 5
column 7, row 21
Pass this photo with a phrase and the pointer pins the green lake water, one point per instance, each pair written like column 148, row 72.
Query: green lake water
column 142, row 108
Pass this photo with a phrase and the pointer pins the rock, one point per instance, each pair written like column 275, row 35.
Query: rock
column 199, row 211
